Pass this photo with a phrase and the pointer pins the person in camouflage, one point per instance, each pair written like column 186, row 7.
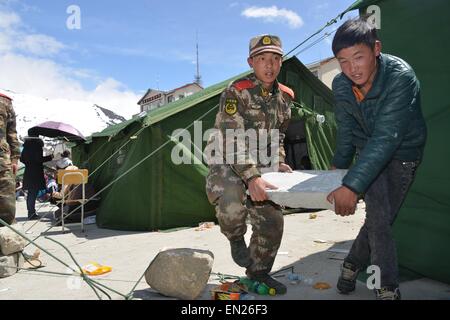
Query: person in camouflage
column 257, row 102
column 9, row 156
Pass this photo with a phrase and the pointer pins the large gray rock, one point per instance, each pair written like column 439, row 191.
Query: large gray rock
column 181, row 273
column 10, row 242
column 304, row 189
column 9, row 263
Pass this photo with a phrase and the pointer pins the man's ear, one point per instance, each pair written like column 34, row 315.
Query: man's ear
column 377, row 48
column 250, row 62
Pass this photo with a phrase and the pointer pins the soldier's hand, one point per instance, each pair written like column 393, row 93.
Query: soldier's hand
column 344, row 200
column 257, row 189
column 284, row 168
column 333, row 167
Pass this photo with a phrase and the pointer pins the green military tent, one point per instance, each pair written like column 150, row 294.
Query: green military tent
column 417, row 31
column 142, row 189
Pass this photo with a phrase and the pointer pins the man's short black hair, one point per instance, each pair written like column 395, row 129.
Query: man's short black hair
column 353, row 32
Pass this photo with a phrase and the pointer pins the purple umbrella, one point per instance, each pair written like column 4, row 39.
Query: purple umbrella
column 54, row 129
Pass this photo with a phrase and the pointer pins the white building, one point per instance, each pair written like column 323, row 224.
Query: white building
column 156, row 98
column 325, row 70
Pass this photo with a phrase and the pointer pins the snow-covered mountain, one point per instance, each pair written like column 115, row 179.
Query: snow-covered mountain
column 87, row 117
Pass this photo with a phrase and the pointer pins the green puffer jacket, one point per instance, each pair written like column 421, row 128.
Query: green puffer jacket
column 388, row 124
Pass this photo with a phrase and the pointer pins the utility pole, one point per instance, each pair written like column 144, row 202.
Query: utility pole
column 198, row 78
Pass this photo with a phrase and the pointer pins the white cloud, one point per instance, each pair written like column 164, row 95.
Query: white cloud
column 45, row 78
column 27, row 67
column 273, row 14
column 40, row 45
column 8, row 19
column 13, row 38
column 5, row 43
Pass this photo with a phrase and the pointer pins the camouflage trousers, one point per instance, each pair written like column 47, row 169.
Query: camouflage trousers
column 7, row 196
column 227, row 192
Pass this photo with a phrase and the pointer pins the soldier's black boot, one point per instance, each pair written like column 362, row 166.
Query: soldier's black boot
column 347, row 280
column 240, row 253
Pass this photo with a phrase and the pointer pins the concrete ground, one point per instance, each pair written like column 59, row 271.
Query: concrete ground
column 313, row 247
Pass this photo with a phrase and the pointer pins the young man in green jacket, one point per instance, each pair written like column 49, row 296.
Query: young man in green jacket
column 379, row 118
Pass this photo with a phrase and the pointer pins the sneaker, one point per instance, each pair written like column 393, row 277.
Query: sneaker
column 388, row 293
column 269, row 281
column 240, row 253
column 347, row 280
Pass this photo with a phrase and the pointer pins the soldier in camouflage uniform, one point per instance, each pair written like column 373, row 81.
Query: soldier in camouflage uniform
column 237, row 190
column 9, row 156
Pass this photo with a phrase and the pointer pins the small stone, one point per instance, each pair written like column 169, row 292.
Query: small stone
column 10, row 242
column 8, row 264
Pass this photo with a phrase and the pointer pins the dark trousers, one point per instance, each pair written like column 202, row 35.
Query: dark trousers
column 375, row 244
column 31, row 201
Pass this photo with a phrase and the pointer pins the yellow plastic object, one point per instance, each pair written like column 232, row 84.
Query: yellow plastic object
column 95, row 269
column 321, row 286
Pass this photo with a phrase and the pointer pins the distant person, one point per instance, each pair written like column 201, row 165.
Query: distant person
column 33, row 179
column 65, row 161
column 52, row 185
column 72, row 194
column 379, row 118
column 66, row 189
column 19, row 190
column 9, row 156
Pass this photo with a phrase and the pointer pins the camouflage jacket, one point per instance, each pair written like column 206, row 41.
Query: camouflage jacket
column 245, row 104
column 9, row 145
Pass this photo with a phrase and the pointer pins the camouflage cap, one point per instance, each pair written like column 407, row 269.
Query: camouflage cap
column 265, row 43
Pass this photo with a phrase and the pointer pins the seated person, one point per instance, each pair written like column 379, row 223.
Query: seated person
column 52, row 186
column 57, row 196
column 65, row 161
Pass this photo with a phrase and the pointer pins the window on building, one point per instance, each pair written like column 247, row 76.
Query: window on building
column 169, row 99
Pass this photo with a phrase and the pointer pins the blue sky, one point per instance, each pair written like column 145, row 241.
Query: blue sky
column 125, row 47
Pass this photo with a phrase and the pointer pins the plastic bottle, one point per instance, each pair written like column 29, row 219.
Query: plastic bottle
column 246, row 296
column 294, row 277
column 257, row 287
column 263, row 289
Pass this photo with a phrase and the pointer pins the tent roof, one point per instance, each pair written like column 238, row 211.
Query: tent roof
column 358, row 4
